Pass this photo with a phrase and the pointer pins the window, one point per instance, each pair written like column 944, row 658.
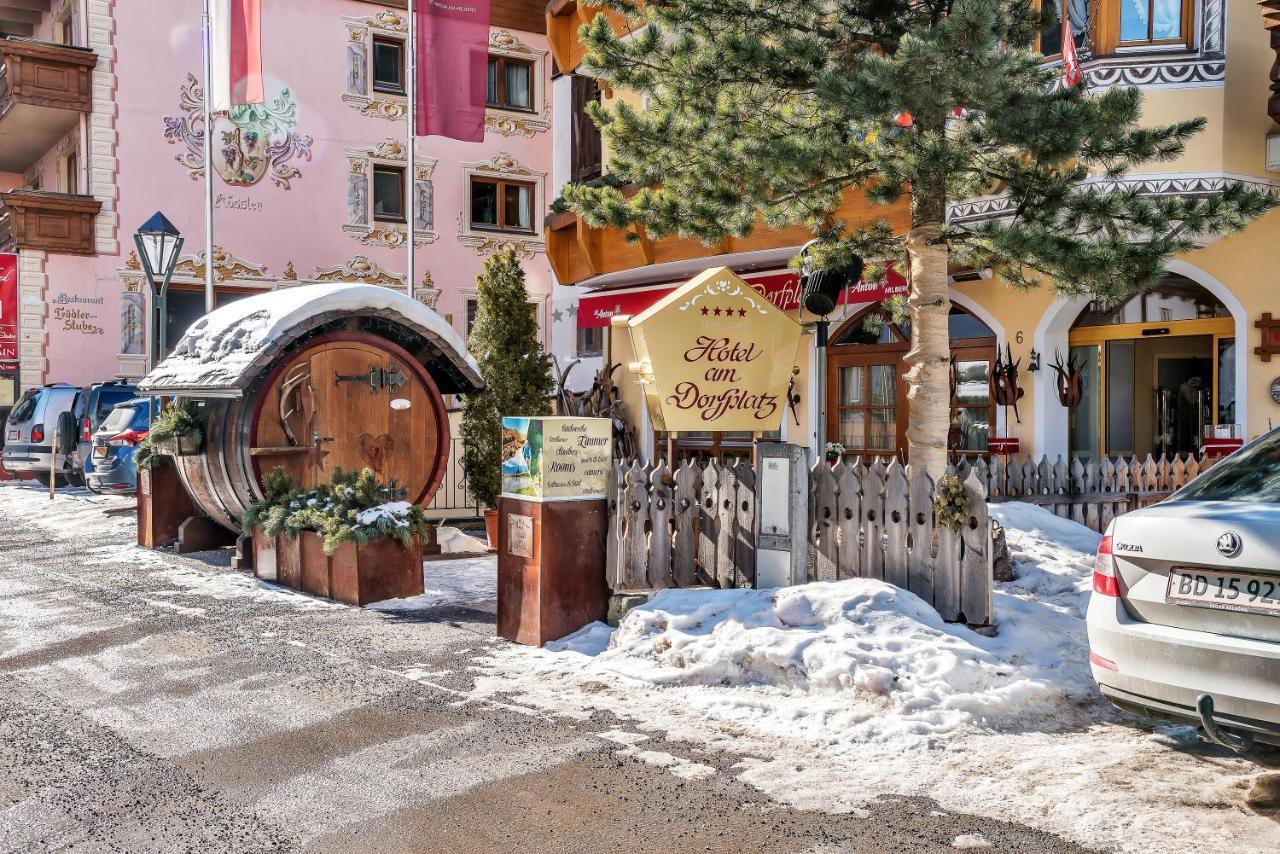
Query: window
column 510, row 84
column 1051, row 36
column 472, row 308
column 388, row 66
column 185, row 305
column 586, row 152
column 867, row 407
column 591, row 341
column 71, row 169
column 1151, row 21
column 388, row 193
column 498, row 205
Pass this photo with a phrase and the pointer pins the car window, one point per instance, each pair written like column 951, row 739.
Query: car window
column 119, row 419
column 1250, row 474
column 25, row 408
column 108, row 399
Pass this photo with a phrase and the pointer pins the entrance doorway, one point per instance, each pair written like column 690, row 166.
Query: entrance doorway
column 1157, row 373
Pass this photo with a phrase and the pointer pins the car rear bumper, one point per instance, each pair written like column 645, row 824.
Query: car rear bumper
column 22, row 458
column 1163, row 669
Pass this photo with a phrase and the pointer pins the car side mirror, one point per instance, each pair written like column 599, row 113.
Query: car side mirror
column 68, row 432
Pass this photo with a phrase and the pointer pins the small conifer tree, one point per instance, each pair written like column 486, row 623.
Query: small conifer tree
column 517, row 375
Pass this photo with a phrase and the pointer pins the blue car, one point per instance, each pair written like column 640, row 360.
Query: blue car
column 113, row 446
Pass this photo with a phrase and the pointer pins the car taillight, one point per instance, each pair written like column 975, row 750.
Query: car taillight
column 129, row 438
column 37, row 432
column 1104, row 570
column 86, row 430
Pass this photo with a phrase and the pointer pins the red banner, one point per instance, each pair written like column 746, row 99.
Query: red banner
column 8, row 311
column 781, row 289
column 453, row 68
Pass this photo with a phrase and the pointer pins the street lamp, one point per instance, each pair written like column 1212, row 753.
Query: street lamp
column 158, row 243
column 820, row 294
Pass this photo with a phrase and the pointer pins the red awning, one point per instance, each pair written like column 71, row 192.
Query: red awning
column 780, row 288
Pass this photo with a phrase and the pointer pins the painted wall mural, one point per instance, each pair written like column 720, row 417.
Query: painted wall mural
column 251, row 142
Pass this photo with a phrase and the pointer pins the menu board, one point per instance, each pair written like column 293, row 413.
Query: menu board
column 556, row 459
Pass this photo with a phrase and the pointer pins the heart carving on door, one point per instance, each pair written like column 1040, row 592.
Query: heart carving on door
column 376, row 449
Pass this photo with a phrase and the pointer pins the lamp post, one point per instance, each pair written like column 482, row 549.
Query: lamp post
column 820, row 292
column 158, row 243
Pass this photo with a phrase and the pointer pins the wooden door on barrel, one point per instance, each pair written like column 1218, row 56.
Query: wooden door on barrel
column 348, row 404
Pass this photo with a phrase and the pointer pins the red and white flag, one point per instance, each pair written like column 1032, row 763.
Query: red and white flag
column 453, row 68
column 235, row 28
column 1072, row 74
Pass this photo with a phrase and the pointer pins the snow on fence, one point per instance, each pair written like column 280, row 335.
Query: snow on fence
column 697, row 526
column 1089, row 492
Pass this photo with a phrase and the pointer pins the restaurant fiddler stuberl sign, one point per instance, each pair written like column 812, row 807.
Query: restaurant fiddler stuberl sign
column 715, row 355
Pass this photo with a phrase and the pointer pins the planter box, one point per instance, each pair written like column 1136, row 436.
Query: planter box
column 357, row 575
column 382, row 569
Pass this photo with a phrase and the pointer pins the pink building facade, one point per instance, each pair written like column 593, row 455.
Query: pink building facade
column 310, row 187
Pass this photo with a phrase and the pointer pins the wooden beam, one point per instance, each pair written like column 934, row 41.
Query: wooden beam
column 20, row 16
column 29, row 5
column 10, row 28
column 589, row 242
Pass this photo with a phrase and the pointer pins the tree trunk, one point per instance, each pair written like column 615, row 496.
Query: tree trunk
column 929, row 377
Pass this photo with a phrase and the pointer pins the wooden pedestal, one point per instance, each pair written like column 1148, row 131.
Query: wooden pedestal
column 163, row 504
column 355, row 574
column 550, row 568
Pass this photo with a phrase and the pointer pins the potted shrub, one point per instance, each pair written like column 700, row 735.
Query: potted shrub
column 834, row 452
column 354, row 539
column 175, row 432
column 516, row 372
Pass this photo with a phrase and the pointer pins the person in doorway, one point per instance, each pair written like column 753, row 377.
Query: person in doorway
column 1190, row 408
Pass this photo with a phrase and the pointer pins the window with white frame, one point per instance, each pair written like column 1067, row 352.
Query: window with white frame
column 378, row 196
column 516, row 102
column 504, row 206
column 377, row 65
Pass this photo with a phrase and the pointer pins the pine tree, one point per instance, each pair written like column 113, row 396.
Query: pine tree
column 517, row 374
column 764, row 112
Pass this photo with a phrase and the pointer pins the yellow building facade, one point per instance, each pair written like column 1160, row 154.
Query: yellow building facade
column 1161, row 374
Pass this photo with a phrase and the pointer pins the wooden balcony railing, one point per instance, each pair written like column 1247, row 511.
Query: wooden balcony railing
column 43, row 90
column 577, row 251
column 53, row 222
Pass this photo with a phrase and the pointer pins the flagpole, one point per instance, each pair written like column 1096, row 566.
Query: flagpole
column 410, row 179
column 208, row 160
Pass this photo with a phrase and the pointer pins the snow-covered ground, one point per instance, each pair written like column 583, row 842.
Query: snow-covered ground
column 835, row 693
column 468, row 581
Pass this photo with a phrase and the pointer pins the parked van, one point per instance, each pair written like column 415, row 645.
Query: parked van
column 92, row 406
column 29, row 433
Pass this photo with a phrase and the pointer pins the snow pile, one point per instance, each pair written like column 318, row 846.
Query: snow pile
column 453, row 541
column 396, row 512
column 219, row 349
column 833, row 694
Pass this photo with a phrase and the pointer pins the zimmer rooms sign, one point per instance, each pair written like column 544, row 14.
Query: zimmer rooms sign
column 715, row 355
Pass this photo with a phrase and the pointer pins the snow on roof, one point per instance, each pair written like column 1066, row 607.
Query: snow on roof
column 224, row 350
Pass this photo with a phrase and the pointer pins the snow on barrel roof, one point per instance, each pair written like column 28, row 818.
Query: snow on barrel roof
column 224, row 350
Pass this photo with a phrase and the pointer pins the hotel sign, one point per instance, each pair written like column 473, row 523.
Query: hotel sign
column 715, row 355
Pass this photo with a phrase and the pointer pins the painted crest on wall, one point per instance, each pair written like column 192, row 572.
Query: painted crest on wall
column 251, row 142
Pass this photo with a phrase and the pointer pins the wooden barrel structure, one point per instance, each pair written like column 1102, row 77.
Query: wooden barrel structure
column 310, row 379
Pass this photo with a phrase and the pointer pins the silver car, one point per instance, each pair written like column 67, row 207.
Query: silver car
column 1184, row 621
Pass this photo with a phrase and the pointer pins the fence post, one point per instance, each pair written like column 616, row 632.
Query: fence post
column 614, row 572
column 897, row 524
column 660, row 527
column 727, row 531
column 920, row 559
column 709, row 523
column 975, row 565
column 848, row 522
column 744, row 549
column 635, row 552
column 825, row 515
column 688, row 483
column 873, row 523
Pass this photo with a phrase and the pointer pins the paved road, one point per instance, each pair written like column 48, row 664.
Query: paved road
column 158, row 703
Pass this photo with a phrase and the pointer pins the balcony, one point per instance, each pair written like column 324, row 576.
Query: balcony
column 564, row 17
column 43, row 90
column 52, row 222
column 578, row 252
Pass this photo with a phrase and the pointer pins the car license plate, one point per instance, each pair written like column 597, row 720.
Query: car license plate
column 99, row 451
column 1226, row 591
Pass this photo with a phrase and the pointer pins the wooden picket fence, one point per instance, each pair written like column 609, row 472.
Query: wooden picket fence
column 1089, row 492
column 696, row 525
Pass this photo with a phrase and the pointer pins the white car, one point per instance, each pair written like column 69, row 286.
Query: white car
column 1184, row 621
